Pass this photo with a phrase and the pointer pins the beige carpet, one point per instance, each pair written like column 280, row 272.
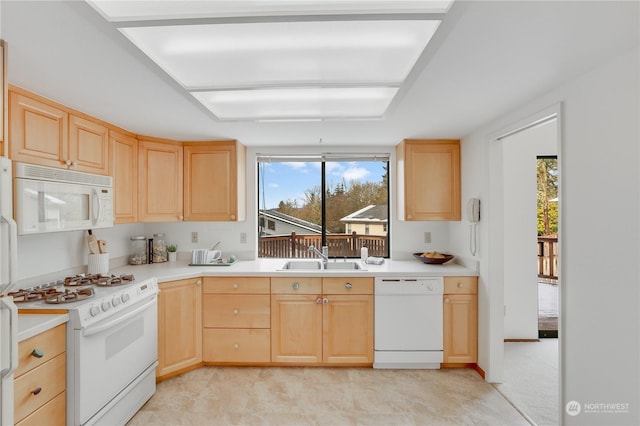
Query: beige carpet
column 531, row 379
column 327, row 396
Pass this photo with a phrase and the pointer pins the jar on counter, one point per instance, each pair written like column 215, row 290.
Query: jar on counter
column 160, row 253
column 138, row 255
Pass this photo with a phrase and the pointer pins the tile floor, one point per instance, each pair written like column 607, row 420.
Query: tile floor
column 326, row 396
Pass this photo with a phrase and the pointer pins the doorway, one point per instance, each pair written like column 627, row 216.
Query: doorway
column 530, row 366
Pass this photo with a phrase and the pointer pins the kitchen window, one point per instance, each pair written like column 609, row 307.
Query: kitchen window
column 335, row 200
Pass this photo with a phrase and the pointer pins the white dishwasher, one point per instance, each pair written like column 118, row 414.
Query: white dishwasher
column 408, row 322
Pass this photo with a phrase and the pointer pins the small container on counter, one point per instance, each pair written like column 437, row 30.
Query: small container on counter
column 160, row 253
column 138, row 254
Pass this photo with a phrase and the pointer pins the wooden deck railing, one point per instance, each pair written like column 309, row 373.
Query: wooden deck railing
column 340, row 245
column 548, row 257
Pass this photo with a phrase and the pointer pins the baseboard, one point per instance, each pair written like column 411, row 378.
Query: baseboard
column 521, row 340
column 479, row 370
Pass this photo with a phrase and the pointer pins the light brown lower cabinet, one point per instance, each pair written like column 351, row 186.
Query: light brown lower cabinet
column 179, row 326
column 236, row 320
column 40, row 380
column 322, row 320
column 460, row 312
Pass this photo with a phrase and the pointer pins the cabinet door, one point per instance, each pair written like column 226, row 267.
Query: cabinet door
column 460, row 328
column 296, row 328
column 159, row 182
column 179, row 325
column 38, row 131
column 348, row 329
column 211, row 182
column 88, row 146
column 124, row 170
column 430, row 170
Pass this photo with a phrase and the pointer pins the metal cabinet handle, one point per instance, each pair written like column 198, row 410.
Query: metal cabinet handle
column 319, row 300
column 460, row 285
column 295, row 286
column 348, row 286
column 236, row 346
column 446, row 300
column 199, row 282
column 180, row 217
column 325, row 301
column 36, row 391
column 236, row 311
column 233, row 217
column 235, row 285
column 37, row 353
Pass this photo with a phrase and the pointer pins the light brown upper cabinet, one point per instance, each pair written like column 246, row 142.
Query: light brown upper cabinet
column 43, row 132
column 214, row 181
column 159, row 181
column 428, row 180
column 124, row 170
column 4, row 99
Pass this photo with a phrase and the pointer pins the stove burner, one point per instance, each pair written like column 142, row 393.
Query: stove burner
column 23, row 296
column 115, row 280
column 69, row 296
column 98, row 279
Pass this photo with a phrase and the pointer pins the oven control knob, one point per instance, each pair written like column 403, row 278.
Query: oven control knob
column 106, row 306
column 115, row 302
column 125, row 297
column 95, row 310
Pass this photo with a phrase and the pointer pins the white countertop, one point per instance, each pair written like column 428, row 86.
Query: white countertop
column 30, row 325
column 169, row 271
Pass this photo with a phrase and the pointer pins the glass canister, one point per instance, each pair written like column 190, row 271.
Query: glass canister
column 159, row 249
column 138, row 255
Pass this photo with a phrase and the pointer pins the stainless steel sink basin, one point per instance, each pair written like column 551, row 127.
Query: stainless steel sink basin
column 302, row 264
column 315, row 265
column 349, row 266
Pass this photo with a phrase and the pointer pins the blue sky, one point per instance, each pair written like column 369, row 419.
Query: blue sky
column 288, row 181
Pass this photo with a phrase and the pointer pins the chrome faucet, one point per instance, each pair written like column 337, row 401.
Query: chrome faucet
column 324, row 254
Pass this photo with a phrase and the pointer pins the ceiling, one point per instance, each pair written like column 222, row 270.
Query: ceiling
column 485, row 59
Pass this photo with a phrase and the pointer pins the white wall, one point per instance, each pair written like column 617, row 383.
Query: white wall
column 599, row 234
column 519, row 159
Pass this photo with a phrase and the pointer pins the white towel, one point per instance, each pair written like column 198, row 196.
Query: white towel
column 374, row 260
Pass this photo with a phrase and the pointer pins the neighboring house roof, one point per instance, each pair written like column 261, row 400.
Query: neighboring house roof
column 369, row 214
column 275, row 214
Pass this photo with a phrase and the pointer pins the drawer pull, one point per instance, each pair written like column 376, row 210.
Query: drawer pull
column 36, row 390
column 235, row 285
column 319, row 300
column 348, row 286
column 295, row 286
column 236, row 311
column 236, row 346
column 37, row 353
column 446, row 300
column 460, row 285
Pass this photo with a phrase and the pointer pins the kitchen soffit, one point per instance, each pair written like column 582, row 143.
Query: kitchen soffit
column 284, row 60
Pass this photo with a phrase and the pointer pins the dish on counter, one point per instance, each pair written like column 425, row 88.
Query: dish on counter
column 433, row 257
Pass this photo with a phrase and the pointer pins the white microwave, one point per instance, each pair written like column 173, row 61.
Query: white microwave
column 53, row 200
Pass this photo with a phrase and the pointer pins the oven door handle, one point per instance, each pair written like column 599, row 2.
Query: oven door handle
column 91, row 330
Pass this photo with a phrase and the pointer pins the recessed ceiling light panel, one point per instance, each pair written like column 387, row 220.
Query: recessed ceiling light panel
column 298, row 103
column 286, row 53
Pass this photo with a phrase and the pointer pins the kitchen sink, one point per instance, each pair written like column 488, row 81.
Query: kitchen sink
column 302, row 264
column 349, row 266
column 314, row 265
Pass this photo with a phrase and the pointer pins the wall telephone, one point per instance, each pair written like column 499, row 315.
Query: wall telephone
column 473, row 210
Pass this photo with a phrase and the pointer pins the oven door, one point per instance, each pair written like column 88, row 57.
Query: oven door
column 111, row 354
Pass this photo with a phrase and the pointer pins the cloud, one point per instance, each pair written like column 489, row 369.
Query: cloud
column 295, row 165
column 355, row 173
column 273, row 185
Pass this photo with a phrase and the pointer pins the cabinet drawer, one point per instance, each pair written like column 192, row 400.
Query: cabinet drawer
column 50, row 344
column 461, row 285
column 49, row 377
column 239, row 285
column 296, row 285
column 357, row 285
column 53, row 413
column 236, row 345
column 236, row 311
